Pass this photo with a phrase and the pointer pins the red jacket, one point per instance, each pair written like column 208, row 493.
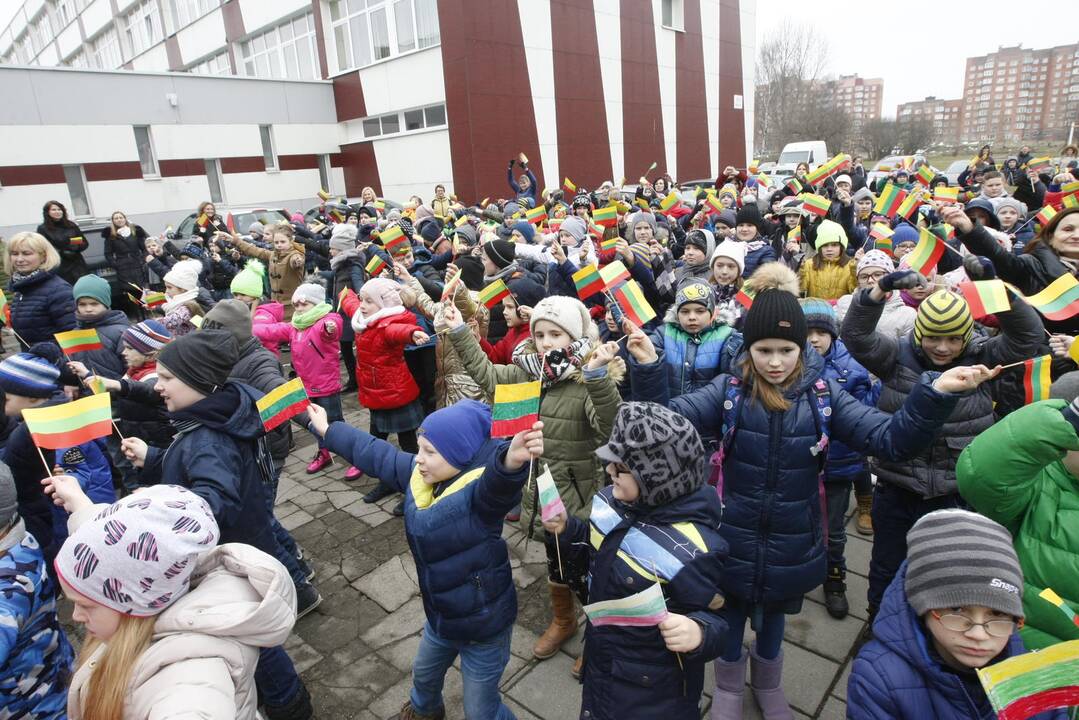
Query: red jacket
column 501, row 353
column 383, row 377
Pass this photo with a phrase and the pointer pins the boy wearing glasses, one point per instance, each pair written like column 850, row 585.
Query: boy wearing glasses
column 955, row 606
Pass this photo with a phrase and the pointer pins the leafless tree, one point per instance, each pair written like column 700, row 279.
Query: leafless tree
column 915, row 135
column 879, row 137
column 790, row 67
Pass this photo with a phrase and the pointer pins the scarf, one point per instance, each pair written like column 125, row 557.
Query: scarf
column 663, row 271
column 503, row 273
column 172, row 303
column 344, row 256
column 553, row 366
column 360, row 323
column 307, row 318
column 19, row 277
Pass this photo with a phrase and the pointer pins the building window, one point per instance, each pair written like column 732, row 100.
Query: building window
column 324, row 172
column 673, row 15
column 142, row 26
column 416, row 119
column 145, row 144
column 105, row 51
column 180, row 13
column 366, row 31
column 76, row 189
column 217, row 184
column 269, row 156
column 286, row 51
column 216, row 65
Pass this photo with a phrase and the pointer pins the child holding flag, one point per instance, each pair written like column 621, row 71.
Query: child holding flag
column 829, row 274
column 577, row 409
column 656, row 523
column 775, row 415
column 285, row 262
column 457, row 490
column 691, row 340
column 313, row 336
column 93, row 303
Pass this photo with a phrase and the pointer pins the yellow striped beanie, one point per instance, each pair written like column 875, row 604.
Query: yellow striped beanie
column 943, row 314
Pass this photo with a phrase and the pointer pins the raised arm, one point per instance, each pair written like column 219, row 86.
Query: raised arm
column 375, row 457
column 874, row 350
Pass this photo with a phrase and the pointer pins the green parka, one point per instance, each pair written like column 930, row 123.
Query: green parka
column 577, row 417
column 1014, row 473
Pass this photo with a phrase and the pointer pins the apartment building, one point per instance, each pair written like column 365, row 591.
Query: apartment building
column 944, row 115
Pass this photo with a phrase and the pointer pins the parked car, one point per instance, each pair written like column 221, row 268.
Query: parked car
column 953, row 171
column 688, row 189
column 812, row 152
column 885, row 166
column 237, row 220
column 354, row 206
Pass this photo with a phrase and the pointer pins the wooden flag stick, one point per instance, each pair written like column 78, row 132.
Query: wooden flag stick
column 1014, row 364
column 44, row 462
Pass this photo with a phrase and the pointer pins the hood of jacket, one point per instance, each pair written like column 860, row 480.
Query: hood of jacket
column 274, row 311
column 231, row 410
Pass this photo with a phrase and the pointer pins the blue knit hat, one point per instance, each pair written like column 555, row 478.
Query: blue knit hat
column 93, row 287
column 192, row 250
column 28, row 374
column 904, row 232
column 458, row 431
column 147, row 336
column 820, row 315
column 525, row 228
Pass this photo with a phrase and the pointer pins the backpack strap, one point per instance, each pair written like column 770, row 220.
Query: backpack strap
column 822, row 417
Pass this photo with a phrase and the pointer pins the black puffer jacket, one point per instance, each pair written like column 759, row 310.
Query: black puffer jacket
column 127, row 255
column 70, row 243
column 41, row 304
column 900, row 363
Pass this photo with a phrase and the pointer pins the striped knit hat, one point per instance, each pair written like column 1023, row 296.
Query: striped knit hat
column 146, row 337
column 956, row 558
column 820, row 315
column 943, row 314
column 28, row 374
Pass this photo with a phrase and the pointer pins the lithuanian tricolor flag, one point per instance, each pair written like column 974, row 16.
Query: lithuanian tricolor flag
column 609, row 244
column 1024, row 685
column 613, row 274
column 375, row 266
column 924, row 175
column 985, row 297
column 605, row 216
column 890, row 199
column 794, row 185
column 281, row 403
column 629, row 297
column 568, row 186
column 815, row 204
column 493, row 293
column 1036, row 379
column 536, row 215
column 516, row 408
column 745, row 297
column 1045, row 215
column 76, row 341
column 946, row 195
column 795, row 234
column 815, row 177
column 72, row 423
column 155, row 299
column 588, row 282
column 882, row 237
column 909, row 205
column 394, row 240
column 1070, row 201
column 1059, row 300
column 926, row 254
column 670, row 201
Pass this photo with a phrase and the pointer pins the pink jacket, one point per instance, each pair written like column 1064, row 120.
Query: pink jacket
column 316, row 352
column 271, row 312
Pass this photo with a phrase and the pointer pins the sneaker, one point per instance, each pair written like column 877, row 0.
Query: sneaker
column 835, row 594
column 321, row 460
column 353, row 474
column 306, row 569
column 380, row 491
column 399, row 509
column 307, row 599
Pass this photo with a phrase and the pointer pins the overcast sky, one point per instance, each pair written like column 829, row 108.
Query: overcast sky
column 920, row 48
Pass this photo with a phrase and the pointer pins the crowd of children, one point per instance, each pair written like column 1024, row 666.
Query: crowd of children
column 798, row 352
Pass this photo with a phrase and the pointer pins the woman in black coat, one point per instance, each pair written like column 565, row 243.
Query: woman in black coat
column 66, row 237
column 204, row 233
column 125, row 251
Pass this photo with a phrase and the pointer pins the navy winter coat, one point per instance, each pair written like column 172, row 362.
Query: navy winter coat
column 219, row 455
column 628, row 668
column 462, row 563
column 895, row 677
column 108, row 361
column 758, row 252
column 771, row 491
column 41, row 305
column 692, row 360
column 849, row 373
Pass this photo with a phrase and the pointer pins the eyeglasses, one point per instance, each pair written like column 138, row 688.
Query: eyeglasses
column 871, row 277
column 961, row 623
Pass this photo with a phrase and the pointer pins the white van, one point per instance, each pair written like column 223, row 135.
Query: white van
column 813, row 152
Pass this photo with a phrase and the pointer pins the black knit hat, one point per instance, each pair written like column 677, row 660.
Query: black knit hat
column 749, row 214
column 775, row 314
column 500, row 252
column 202, row 360
column 471, row 272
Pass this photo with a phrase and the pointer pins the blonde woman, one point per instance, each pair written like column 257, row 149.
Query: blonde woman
column 41, row 301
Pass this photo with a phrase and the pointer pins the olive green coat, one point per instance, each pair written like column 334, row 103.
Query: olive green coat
column 577, row 417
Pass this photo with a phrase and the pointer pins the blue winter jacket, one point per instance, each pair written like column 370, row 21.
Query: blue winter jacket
column 758, row 252
column 772, row 516
column 108, row 361
column 849, row 373
column 220, row 454
column 628, row 668
column 41, row 305
column 692, row 360
column 35, row 656
column 462, row 563
column 895, row 677
column 89, row 464
column 530, row 192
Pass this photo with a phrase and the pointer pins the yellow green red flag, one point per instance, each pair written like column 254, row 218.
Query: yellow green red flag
column 73, row 423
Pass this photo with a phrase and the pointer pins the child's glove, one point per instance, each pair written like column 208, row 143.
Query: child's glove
column 901, row 280
column 979, row 268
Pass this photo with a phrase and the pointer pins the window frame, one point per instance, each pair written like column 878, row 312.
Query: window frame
column 155, row 171
column 678, row 15
column 146, row 14
column 402, row 125
column 344, row 39
column 214, row 176
column 269, row 149
column 80, row 173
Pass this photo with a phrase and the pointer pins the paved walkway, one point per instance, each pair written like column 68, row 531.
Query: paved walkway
column 356, row 650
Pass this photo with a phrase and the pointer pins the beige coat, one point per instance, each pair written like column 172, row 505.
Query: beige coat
column 201, row 663
column 286, row 270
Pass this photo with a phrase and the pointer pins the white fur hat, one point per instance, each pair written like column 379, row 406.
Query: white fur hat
column 184, row 274
column 731, row 249
column 566, row 312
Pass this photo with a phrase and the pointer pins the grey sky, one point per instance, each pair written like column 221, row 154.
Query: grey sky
column 920, row 48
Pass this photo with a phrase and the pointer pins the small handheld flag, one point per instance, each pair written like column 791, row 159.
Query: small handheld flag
column 375, row 266
column 795, row 186
column 493, row 293
column 1058, row 301
column 323, row 195
column 1040, row 165
column 394, row 240
column 551, row 505
column 882, row 237
column 891, row 197
column 795, row 234
column 1025, row 685
column 72, row 423
column 985, row 297
column 588, row 282
column 926, row 254
column 613, row 274
column 96, row 385
column 909, row 205
column 1036, row 379
column 815, row 204
column 633, row 303
column 516, row 408
column 281, row 403
column 924, row 175
column 605, row 216
column 947, row 195
column 1044, row 215
column 646, row 608
column 610, row 244
column 827, row 169
column 568, row 186
column 745, row 297
column 155, row 299
column 76, row 341
column 536, row 215
column 670, row 201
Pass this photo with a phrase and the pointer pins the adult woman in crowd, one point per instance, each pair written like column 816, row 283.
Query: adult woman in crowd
column 41, row 301
column 207, row 223
column 66, row 236
column 125, row 251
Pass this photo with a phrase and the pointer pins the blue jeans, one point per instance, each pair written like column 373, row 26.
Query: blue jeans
column 482, row 665
column 332, row 405
column 769, row 635
column 275, row 676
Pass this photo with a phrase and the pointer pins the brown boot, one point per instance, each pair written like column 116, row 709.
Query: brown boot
column 864, row 521
column 408, row 713
column 563, row 624
column 578, row 667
